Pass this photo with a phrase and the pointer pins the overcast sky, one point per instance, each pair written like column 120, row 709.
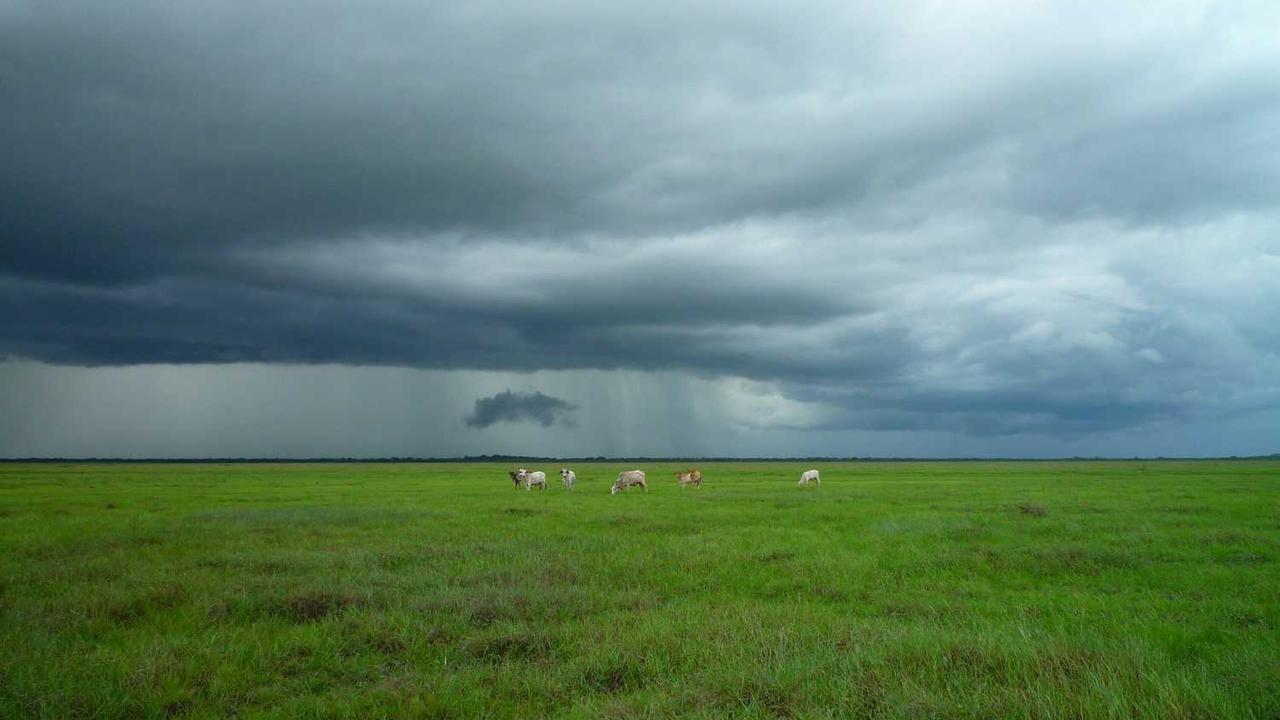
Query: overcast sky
column 406, row 228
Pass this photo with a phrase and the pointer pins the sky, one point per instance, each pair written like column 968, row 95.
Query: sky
column 385, row 228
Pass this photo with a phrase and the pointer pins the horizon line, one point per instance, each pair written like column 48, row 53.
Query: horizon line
column 391, row 459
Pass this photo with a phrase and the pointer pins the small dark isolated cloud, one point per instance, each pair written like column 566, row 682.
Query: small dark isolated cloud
column 508, row 406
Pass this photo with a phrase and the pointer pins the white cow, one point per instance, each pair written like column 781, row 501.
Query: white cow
column 537, row 477
column 569, row 478
column 808, row 475
column 628, row 478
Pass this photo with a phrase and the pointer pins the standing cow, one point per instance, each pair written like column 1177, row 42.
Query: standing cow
column 537, row 477
column 808, row 475
column 569, row 477
column 628, row 478
column 692, row 476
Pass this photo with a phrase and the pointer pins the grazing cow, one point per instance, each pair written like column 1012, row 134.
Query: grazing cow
column 692, row 476
column 517, row 476
column 628, row 478
column 808, row 475
column 537, row 477
column 569, row 478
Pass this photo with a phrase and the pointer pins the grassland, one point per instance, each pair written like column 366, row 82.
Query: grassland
column 967, row 590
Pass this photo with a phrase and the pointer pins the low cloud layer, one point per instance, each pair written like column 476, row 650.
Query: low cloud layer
column 512, row 407
column 990, row 220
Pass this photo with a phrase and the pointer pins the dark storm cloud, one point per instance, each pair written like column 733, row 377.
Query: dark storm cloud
column 1058, row 219
column 509, row 406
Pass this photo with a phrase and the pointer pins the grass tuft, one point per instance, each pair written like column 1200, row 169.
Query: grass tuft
column 517, row 646
column 617, row 677
column 310, row 606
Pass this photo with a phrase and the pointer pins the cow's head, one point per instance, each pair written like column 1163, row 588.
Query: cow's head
column 517, row 476
column 614, row 490
column 564, row 472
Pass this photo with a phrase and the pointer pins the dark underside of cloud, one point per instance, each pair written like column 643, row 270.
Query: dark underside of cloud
column 509, row 406
column 1036, row 224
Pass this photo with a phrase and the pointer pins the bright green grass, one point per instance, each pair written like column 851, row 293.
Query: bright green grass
column 1045, row 590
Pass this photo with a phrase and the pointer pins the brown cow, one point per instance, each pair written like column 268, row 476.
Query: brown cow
column 692, row 476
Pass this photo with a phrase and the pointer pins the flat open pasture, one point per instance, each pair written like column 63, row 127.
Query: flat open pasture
column 895, row 590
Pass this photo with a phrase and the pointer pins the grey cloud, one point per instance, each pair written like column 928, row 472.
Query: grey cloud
column 508, row 406
column 905, row 218
column 1205, row 154
column 147, row 140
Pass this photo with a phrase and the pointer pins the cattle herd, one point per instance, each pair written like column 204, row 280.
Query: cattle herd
column 529, row 479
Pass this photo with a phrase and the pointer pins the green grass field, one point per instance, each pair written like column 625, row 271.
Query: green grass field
column 896, row 590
